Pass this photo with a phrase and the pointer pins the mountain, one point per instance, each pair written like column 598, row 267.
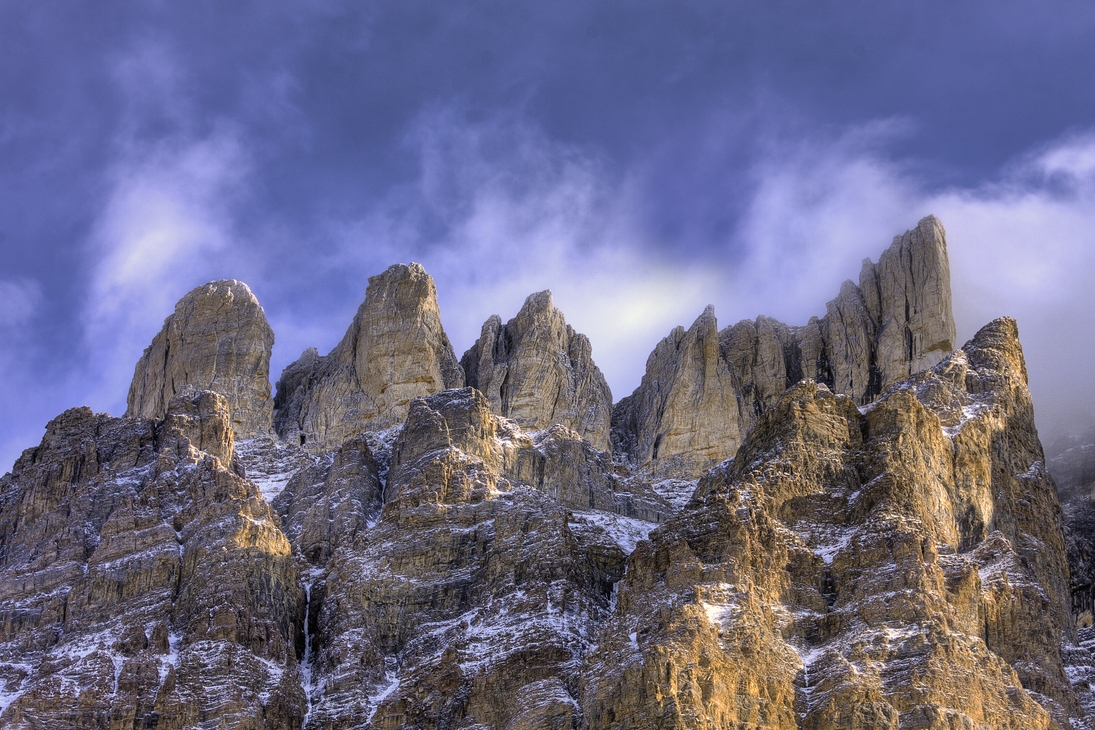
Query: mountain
column 845, row 524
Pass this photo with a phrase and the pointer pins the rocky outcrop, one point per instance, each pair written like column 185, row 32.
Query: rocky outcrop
column 562, row 464
column 902, row 567
column 143, row 582
column 896, row 322
column 217, row 339
column 683, row 417
column 539, row 372
column 328, row 502
column 394, row 351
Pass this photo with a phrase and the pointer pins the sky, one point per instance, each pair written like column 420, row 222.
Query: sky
column 639, row 159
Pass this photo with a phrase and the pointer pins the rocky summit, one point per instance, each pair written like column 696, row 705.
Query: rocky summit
column 217, row 339
column 847, row 524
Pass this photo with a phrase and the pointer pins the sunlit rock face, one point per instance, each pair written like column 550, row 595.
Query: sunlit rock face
column 899, row 566
column 217, row 339
column 884, row 550
column 539, row 372
column 394, row 351
column 684, row 416
column 704, row 390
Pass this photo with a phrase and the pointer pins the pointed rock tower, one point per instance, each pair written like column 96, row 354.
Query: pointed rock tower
column 218, row 339
column 394, row 351
column 538, row 371
column 684, row 413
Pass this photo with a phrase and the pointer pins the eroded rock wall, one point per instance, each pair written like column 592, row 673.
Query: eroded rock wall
column 902, row 567
column 143, row 582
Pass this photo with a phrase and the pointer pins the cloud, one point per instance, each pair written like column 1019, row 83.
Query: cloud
column 168, row 219
column 21, row 299
column 498, row 211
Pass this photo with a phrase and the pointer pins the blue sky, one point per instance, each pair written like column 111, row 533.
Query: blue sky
column 640, row 159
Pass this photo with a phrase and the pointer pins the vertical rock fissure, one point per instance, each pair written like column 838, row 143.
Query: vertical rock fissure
column 306, row 664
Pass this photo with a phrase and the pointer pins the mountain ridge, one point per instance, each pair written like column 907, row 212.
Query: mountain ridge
column 398, row 538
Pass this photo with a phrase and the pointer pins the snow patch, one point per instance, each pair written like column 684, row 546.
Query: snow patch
column 676, row 492
column 626, row 532
column 968, row 413
column 391, row 680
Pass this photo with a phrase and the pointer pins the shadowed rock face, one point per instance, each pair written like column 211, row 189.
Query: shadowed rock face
column 394, row 351
column 217, row 339
column 538, row 371
column 896, row 322
column 142, row 580
column 472, row 599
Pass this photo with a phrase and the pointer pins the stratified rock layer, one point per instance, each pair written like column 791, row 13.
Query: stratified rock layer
column 694, row 404
column 394, row 351
column 142, row 581
column 218, row 339
column 902, row 567
column 538, row 371
column 472, row 600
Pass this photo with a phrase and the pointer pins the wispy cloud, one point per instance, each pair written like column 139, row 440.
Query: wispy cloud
column 168, row 222
column 499, row 211
column 21, row 299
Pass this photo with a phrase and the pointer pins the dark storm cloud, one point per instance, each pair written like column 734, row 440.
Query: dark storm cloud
column 640, row 159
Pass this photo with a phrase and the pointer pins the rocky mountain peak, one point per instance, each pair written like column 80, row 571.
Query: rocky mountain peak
column 896, row 322
column 684, row 412
column 538, row 371
column 217, row 339
column 394, row 351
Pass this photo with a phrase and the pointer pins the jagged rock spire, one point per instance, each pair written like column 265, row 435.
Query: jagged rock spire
column 684, row 412
column 538, row 371
column 394, row 351
column 217, row 339
column 896, row 322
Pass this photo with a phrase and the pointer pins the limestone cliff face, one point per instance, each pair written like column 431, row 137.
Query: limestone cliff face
column 684, row 414
column 218, row 339
column 538, row 371
column 394, row 351
column 901, row 567
column 896, row 322
column 142, row 581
